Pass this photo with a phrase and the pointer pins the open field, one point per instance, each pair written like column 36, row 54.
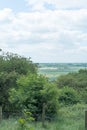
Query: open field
column 53, row 70
column 70, row 118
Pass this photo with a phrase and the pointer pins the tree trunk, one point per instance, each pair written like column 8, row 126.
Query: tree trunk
column 43, row 114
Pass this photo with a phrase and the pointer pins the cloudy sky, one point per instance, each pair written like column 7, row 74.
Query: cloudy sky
column 45, row 30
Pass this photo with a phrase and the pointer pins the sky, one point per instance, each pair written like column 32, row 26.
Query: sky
column 45, row 30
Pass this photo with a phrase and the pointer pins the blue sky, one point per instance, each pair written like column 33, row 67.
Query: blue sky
column 46, row 31
column 15, row 5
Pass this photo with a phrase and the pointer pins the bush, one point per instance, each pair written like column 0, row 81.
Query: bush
column 68, row 96
column 24, row 122
column 83, row 95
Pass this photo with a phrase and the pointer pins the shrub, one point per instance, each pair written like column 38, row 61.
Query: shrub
column 25, row 120
column 68, row 96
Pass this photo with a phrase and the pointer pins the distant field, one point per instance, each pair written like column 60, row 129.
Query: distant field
column 53, row 70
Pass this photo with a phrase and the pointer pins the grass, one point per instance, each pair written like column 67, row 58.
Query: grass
column 69, row 118
column 10, row 124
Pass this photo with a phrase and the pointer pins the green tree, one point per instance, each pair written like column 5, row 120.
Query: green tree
column 11, row 67
column 6, row 82
column 12, row 62
column 32, row 92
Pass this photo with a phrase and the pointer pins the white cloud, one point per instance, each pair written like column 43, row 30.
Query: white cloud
column 47, row 36
column 5, row 14
column 58, row 4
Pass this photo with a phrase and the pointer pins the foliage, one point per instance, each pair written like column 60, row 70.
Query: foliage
column 11, row 67
column 50, row 97
column 32, row 92
column 71, row 118
column 68, row 96
column 12, row 62
column 7, row 80
column 83, row 95
column 77, row 80
column 21, row 87
column 24, row 122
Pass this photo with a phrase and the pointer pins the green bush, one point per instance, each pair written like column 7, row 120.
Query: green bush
column 83, row 95
column 32, row 92
column 68, row 96
column 24, row 122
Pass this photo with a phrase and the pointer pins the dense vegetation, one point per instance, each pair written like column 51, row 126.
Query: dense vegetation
column 77, row 82
column 22, row 88
column 71, row 118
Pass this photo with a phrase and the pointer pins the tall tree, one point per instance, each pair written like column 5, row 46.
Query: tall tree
column 11, row 67
column 12, row 62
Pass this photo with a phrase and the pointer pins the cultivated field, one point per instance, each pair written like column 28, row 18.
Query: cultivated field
column 53, row 70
